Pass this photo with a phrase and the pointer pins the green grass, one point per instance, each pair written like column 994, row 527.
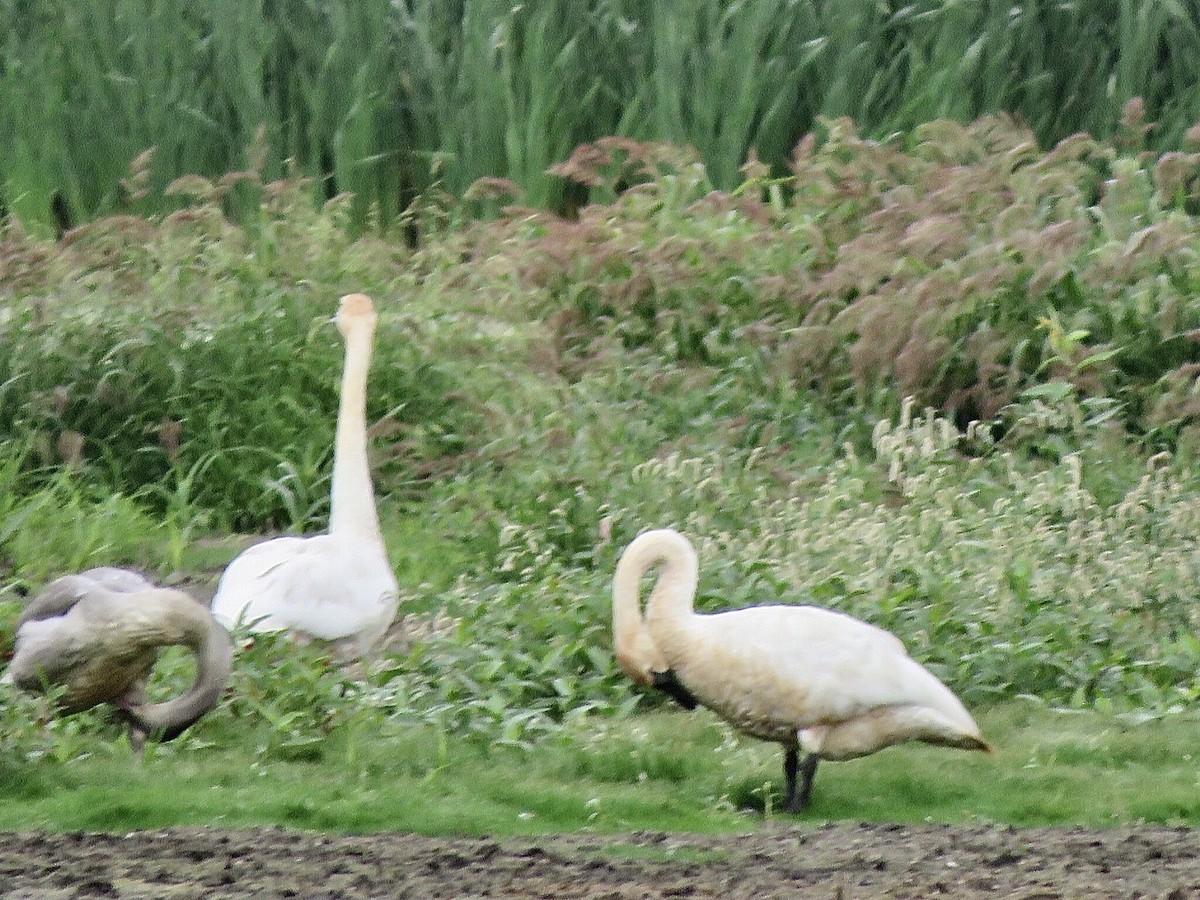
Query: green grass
column 668, row 771
column 389, row 102
column 1051, row 768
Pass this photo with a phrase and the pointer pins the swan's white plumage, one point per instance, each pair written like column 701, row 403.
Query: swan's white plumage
column 776, row 671
column 809, row 678
column 326, row 587
column 339, row 586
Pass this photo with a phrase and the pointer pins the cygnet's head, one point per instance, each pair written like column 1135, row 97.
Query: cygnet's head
column 353, row 311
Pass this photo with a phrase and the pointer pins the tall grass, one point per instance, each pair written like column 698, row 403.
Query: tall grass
column 197, row 360
column 390, row 101
column 725, row 78
column 544, row 389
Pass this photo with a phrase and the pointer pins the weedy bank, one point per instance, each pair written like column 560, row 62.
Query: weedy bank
column 730, row 363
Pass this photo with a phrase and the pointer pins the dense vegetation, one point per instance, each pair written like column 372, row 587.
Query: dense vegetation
column 733, row 363
column 394, row 100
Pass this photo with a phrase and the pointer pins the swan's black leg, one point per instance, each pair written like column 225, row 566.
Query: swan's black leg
column 797, row 796
column 807, row 770
column 791, row 760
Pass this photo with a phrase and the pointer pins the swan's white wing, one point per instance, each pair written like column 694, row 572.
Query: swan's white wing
column 341, row 590
column 803, row 666
column 245, row 594
column 325, row 587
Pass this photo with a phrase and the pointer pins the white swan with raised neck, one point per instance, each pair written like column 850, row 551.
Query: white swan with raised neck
column 336, row 587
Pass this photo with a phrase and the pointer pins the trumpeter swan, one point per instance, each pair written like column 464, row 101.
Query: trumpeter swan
column 811, row 679
column 97, row 635
column 339, row 586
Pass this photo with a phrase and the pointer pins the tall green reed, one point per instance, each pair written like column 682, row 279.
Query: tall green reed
column 393, row 100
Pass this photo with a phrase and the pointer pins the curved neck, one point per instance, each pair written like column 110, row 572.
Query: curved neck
column 352, row 505
column 631, row 643
column 214, row 659
column 671, row 599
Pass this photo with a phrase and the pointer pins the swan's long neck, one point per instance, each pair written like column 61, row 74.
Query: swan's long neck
column 352, row 509
column 631, row 643
column 188, row 623
column 669, row 607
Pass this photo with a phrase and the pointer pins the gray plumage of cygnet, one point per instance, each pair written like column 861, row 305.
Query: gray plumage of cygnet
column 95, row 637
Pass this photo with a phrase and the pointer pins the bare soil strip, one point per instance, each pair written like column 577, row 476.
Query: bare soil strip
column 830, row 861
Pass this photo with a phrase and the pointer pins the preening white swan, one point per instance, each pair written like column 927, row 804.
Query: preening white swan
column 811, row 679
column 97, row 635
column 339, row 586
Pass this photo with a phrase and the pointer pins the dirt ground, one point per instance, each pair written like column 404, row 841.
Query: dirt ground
column 831, row 862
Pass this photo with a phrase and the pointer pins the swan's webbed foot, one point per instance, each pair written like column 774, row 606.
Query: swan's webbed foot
column 670, row 685
column 798, row 796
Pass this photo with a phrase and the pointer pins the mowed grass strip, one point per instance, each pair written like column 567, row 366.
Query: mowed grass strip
column 670, row 771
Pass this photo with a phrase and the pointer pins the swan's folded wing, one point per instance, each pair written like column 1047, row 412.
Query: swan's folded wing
column 320, row 586
column 253, row 587
column 809, row 665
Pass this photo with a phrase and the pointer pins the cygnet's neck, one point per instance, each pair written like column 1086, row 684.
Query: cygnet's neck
column 352, row 504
